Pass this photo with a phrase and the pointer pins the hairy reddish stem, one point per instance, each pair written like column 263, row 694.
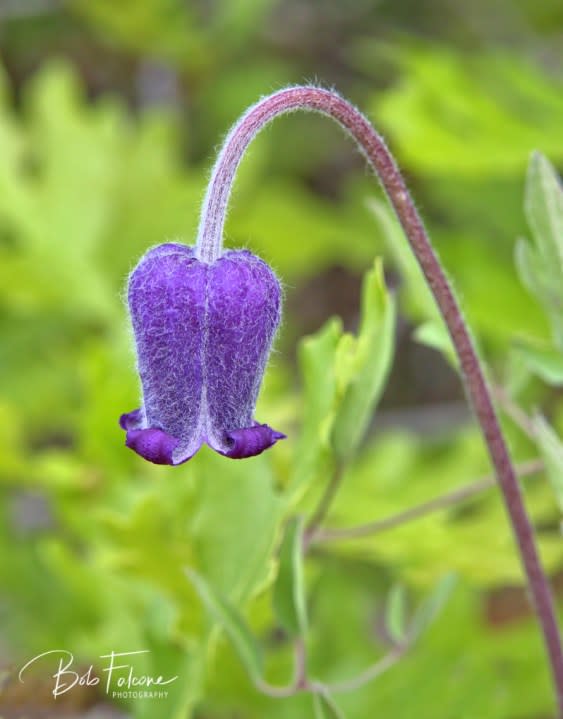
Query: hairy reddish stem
column 209, row 247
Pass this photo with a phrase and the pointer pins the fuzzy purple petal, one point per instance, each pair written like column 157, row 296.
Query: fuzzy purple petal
column 243, row 313
column 167, row 296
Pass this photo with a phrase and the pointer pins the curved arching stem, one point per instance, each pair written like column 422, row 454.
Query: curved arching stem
column 209, row 247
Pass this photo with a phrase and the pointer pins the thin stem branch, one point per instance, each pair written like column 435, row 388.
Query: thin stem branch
column 324, row 504
column 277, row 692
column 300, row 682
column 369, row 674
column 303, row 684
column 209, row 247
column 443, row 501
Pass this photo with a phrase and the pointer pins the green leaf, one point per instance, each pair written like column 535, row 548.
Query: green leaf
column 551, row 449
column 541, row 265
column 289, row 590
column 234, row 625
column 545, row 362
column 431, row 606
column 434, row 334
column 442, row 91
column 235, row 523
column 362, row 364
column 325, row 708
column 316, row 361
column 544, row 209
column 395, row 614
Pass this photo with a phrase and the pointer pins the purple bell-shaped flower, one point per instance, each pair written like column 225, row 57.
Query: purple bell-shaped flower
column 203, row 334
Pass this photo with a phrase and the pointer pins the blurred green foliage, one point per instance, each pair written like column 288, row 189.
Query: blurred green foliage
column 94, row 543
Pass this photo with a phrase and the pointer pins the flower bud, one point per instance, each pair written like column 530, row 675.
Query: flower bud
column 203, row 334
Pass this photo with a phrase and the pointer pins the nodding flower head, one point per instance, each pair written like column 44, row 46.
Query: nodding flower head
column 203, row 334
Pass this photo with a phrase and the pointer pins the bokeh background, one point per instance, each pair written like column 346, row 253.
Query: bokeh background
column 110, row 115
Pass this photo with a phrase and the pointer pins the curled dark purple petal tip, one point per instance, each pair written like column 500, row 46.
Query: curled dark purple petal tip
column 131, row 420
column 153, row 444
column 251, row 441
